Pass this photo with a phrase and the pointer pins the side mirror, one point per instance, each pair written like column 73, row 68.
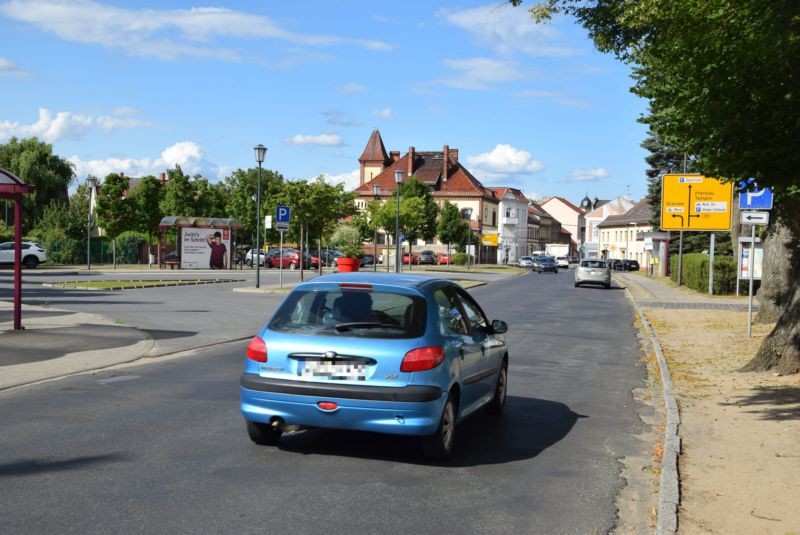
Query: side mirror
column 499, row 326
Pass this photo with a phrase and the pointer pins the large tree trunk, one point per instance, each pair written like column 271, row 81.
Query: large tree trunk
column 780, row 291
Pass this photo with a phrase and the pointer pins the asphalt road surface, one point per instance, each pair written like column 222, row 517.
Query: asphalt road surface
column 160, row 447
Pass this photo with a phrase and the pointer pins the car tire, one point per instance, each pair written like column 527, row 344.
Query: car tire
column 263, row 434
column 439, row 445
column 495, row 406
column 292, row 266
column 555, row 271
column 608, row 286
column 577, row 284
column 30, row 262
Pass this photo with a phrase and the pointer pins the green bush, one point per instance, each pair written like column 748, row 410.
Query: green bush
column 459, row 259
column 695, row 272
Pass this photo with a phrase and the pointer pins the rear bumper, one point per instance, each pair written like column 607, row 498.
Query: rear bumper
column 410, row 410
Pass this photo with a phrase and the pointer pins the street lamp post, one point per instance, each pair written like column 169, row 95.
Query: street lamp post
column 467, row 214
column 376, row 191
column 261, row 152
column 398, row 178
column 90, row 182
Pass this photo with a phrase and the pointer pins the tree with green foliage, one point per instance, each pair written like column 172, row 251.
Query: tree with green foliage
column 34, row 163
column 241, row 187
column 451, row 228
column 114, row 210
column 721, row 79
column 211, row 199
column 146, row 207
column 179, row 194
column 426, row 228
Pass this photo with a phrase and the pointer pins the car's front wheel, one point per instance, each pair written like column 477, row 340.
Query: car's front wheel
column 439, row 446
column 30, row 262
column 263, row 434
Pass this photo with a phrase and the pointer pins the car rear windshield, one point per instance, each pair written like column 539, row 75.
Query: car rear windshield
column 351, row 312
column 593, row 263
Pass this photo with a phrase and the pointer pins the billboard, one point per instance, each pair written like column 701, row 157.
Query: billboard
column 695, row 202
column 198, row 247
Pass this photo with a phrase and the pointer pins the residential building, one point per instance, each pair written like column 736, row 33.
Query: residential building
column 513, row 229
column 622, row 235
column 592, row 246
column 570, row 217
column 447, row 179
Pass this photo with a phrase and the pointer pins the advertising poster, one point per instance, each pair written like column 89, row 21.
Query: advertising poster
column 199, row 246
column 745, row 259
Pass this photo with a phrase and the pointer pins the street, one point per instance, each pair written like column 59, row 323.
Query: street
column 160, row 446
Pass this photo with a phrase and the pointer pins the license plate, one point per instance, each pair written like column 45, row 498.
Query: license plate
column 329, row 369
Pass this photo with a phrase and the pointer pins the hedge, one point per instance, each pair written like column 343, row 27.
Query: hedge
column 695, row 272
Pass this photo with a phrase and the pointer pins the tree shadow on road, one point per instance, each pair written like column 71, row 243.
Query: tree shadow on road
column 29, row 467
column 527, row 427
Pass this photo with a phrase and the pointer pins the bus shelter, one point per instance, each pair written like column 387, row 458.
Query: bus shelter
column 201, row 242
column 13, row 189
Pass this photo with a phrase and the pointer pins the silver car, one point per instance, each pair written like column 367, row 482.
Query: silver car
column 593, row 271
column 525, row 262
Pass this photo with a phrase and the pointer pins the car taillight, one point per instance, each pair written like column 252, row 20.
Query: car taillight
column 257, row 350
column 422, row 358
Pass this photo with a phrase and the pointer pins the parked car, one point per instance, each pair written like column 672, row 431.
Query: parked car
column 526, row 262
column 368, row 259
column 614, row 263
column 290, row 259
column 573, row 260
column 547, row 264
column 250, row 257
column 329, row 257
column 630, row 265
column 443, row 259
column 414, row 259
column 562, row 262
column 32, row 253
column 593, row 271
column 397, row 354
column 426, row 257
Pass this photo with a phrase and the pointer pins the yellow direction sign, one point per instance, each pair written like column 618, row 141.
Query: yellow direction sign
column 489, row 239
column 695, row 202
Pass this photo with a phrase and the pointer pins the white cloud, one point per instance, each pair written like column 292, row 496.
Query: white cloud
column 163, row 34
column 385, row 113
column 188, row 154
column 589, row 175
column 507, row 29
column 325, row 140
column 10, row 68
column 505, row 160
column 351, row 179
column 67, row 125
column 49, row 127
column 480, row 73
column 352, row 87
column 554, row 96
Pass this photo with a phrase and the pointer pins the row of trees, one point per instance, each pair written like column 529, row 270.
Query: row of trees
column 54, row 216
column 722, row 83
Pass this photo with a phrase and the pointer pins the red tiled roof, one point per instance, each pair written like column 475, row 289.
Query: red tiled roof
column 374, row 151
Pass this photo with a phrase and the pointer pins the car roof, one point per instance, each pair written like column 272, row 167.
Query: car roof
column 402, row 280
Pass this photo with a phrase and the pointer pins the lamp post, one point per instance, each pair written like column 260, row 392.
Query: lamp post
column 261, row 151
column 376, row 192
column 467, row 214
column 398, row 178
column 90, row 182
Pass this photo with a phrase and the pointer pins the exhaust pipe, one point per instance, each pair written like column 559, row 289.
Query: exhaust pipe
column 278, row 423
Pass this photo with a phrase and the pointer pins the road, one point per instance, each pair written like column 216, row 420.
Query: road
column 160, row 447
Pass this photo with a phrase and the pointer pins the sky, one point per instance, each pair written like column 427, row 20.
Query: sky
column 140, row 86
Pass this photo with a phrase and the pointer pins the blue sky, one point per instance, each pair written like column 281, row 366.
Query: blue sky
column 140, row 86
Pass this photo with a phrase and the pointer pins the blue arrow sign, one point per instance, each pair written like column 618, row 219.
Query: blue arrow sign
column 757, row 199
column 402, row 238
column 282, row 214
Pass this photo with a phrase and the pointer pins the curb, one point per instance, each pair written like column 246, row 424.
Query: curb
column 669, row 485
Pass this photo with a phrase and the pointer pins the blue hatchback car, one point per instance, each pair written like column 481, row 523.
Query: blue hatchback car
column 399, row 354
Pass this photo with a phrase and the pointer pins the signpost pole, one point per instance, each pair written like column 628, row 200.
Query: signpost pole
column 711, row 264
column 680, row 258
column 750, row 269
column 280, row 264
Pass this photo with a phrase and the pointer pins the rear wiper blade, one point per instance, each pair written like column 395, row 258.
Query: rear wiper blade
column 365, row 325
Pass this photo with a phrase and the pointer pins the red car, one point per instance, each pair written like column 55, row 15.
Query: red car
column 290, row 259
column 414, row 259
column 443, row 258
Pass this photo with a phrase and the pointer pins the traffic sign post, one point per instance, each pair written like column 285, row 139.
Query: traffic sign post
column 282, row 217
column 757, row 199
column 695, row 202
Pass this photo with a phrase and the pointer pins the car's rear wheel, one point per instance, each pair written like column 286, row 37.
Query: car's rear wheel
column 439, row 446
column 577, row 284
column 499, row 400
column 263, row 434
column 292, row 265
column 30, row 262
column 608, row 286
